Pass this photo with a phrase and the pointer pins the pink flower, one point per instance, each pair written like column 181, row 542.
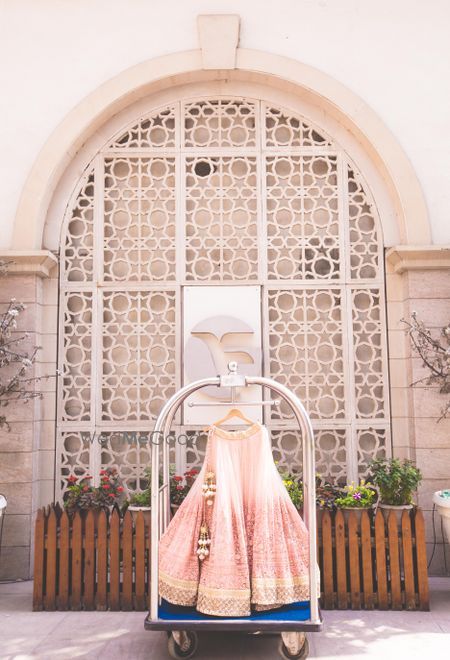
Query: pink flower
column 357, row 495
column 120, row 489
column 178, row 478
column 179, row 487
column 111, row 495
column 72, row 479
column 105, row 486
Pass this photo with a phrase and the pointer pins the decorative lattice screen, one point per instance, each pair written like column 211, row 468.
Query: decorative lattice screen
column 220, row 190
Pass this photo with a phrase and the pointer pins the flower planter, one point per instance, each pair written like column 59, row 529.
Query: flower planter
column 398, row 510
column 146, row 512
column 64, row 547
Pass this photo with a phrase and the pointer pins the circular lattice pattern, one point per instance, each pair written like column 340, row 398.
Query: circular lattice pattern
column 221, row 191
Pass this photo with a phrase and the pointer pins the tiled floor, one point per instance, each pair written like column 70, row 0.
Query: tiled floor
column 110, row 635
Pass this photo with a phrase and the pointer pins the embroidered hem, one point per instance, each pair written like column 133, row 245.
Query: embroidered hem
column 219, row 602
column 266, row 594
column 178, row 592
column 271, row 598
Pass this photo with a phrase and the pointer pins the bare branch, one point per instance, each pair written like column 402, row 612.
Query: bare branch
column 14, row 361
column 434, row 354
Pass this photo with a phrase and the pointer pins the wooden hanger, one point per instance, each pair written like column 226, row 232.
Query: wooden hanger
column 234, row 412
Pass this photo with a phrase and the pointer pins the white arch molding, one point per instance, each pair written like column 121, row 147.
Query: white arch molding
column 325, row 101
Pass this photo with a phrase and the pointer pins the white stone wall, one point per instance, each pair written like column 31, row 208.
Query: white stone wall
column 27, row 454
column 416, row 432
column 394, row 55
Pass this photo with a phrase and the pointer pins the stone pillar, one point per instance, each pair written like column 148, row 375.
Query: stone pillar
column 27, row 451
column 418, row 279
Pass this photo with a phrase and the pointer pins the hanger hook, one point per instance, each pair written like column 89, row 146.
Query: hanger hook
column 232, row 367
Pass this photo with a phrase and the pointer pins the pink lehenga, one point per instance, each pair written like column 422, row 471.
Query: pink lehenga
column 257, row 557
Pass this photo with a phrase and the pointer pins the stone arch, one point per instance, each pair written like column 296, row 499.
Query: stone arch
column 404, row 220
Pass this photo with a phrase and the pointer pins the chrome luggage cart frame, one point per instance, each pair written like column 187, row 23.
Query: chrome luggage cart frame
column 182, row 642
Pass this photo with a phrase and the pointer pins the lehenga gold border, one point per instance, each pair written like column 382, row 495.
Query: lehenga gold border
column 178, row 582
column 176, row 591
column 227, row 593
column 219, row 606
column 265, row 594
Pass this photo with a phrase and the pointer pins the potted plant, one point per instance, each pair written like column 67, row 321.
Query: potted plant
column 142, row 501
column 356, row 498
column 180, row 487
column 396, row 482
column 294, row 487
column 82, row 496
column 326, row 493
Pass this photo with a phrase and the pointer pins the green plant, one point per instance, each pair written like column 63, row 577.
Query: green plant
column 294, row 487
column 396, row 480
column 141, row 499
column 357, row 497
column 145, row 497
column 180, row 485
column 80, row 495
column 326, row 493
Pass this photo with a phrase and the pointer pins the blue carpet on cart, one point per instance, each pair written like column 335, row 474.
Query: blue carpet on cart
column 292, row 612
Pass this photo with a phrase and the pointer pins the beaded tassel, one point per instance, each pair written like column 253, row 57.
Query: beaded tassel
column 203, row 542
column 209, row 488
column 208, row 492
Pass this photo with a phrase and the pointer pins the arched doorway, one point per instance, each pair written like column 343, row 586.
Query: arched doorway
column 224, row 190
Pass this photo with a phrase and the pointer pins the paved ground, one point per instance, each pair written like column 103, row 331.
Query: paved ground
column 110, row 635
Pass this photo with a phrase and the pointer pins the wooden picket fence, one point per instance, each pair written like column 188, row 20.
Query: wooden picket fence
column 367, row 564
column 102, row 562
column 94, row 562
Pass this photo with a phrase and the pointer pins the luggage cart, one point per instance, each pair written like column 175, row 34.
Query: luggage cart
column 292, row 621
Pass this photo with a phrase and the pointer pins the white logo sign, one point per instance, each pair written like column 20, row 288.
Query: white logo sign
column 214, row 342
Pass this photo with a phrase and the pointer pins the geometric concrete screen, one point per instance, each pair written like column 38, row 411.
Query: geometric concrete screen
column 221, row 191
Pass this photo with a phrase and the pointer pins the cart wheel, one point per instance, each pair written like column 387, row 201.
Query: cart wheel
column 182, row 644
column 298, row 648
